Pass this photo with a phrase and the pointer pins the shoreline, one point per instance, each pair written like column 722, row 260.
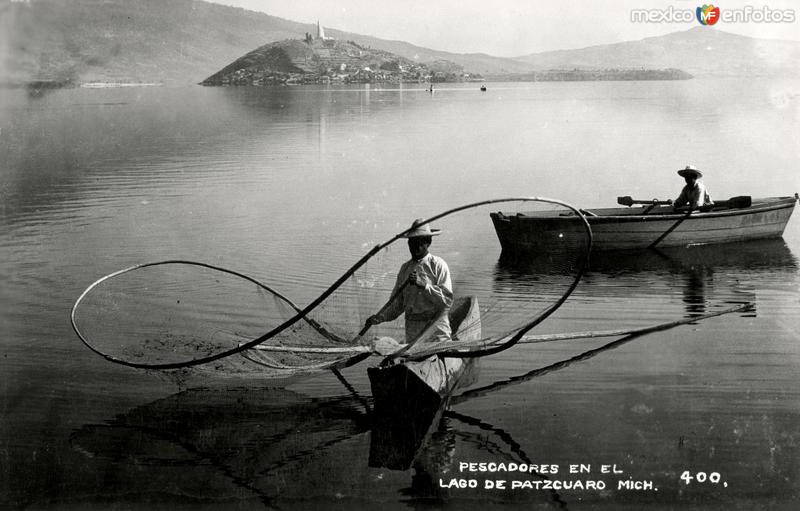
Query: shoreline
column 38, row 85
column 110, row 85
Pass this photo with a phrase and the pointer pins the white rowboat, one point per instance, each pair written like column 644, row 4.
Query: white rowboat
column 641, row 227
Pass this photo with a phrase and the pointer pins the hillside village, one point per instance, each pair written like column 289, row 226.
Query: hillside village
column 322, row 59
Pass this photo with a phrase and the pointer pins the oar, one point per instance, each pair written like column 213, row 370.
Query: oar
column 674, row 226
column 739, row 202
column 629, row 201
column 742, row 201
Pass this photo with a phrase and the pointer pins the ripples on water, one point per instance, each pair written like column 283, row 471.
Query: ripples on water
column 292, row 185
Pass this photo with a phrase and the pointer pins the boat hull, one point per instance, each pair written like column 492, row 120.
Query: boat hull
column 410, row 396
column 638, row 228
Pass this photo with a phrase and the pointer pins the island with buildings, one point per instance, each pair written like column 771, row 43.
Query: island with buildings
column 322, row 59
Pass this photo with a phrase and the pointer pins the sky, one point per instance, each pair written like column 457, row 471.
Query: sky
column 511, row 28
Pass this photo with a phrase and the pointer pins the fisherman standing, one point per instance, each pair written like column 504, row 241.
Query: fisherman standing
column 423, row 290
column 694, row 195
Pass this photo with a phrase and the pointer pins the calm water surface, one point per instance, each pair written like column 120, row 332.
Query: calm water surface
column 291, row 186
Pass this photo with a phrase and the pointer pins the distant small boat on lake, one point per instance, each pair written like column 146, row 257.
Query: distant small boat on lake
column 651, row 224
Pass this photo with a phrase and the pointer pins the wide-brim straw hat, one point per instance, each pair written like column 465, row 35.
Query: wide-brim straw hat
column 419, row 229
column 690, row 171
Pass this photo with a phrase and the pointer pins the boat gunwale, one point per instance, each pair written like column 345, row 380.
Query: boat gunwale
column 466, row 307
column 768, row 204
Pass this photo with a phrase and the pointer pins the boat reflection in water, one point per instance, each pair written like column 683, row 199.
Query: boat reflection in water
column 728, row 273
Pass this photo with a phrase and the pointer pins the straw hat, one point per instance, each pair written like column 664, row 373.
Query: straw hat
column 690, row 171
column 418, row 229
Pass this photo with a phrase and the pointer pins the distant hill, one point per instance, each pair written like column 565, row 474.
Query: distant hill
column 186, row 41
column 169, row 41
column 701, row 51
column 172, row 41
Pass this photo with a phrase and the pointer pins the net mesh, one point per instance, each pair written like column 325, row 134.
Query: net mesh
column 176, row 314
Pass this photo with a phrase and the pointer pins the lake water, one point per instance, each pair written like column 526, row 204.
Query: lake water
column 271, row 182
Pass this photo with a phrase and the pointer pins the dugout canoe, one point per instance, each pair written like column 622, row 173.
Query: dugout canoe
column 639, row 227
column 410, row 396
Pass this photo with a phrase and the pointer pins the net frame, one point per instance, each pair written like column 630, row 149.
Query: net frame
column 484, row 348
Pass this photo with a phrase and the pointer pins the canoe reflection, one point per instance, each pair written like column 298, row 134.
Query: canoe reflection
column 404, row 426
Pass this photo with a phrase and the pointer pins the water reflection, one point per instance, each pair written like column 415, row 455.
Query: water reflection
column 255, row 439
column 286, row 449
column 436, row 458
column 694, row 289
column 280, row 447
column 701, row 275
column 499, row 385
column 277, row 444
column 98, row 180
column 757, row 255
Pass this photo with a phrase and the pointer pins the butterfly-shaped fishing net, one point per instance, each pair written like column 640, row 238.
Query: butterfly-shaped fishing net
column 174, row 315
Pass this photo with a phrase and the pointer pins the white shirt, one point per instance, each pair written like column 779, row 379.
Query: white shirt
column 422, row 305
column 694, row 196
